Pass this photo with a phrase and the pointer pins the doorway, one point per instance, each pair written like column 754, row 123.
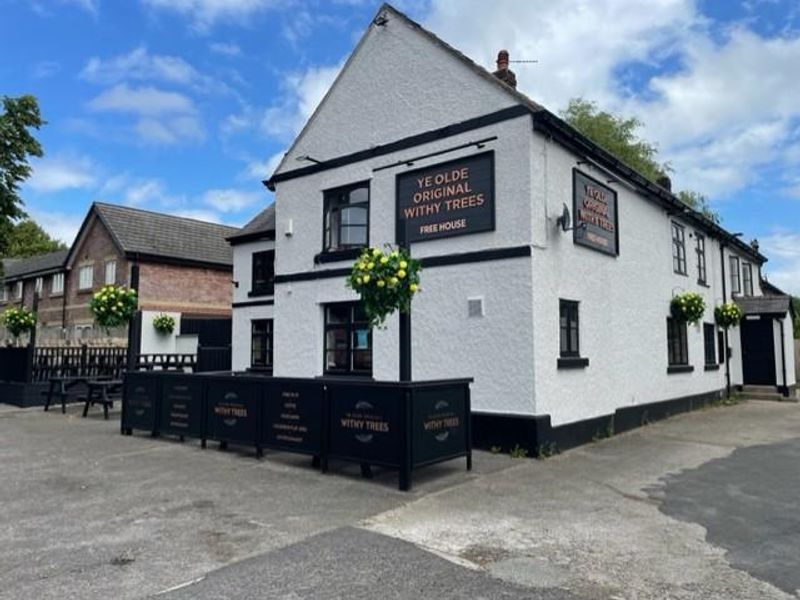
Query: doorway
column 758, row 351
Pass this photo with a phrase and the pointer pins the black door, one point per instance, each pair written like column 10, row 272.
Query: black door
column 758, row 352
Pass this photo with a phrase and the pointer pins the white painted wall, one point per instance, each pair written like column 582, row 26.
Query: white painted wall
column 154, row 342
column 624, row 301
column 784, row 352
column 397, row 83
column 244, row 315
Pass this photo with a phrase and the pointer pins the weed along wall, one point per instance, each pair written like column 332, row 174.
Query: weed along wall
column 402, row 426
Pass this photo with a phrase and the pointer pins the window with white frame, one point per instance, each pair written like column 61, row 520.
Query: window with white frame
column 86, row 277
column 747, row 278
column 19, row 290
column 111, row 272
column 57, row 284
column 39, row 285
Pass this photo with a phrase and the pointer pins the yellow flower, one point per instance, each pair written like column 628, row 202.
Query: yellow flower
column 380, row 283
column 401, row 274
column 370, row 266
column 393, row 281
column 365, row 279
column 403, row 264
column 395, row 253
column 384, row 260
column 413, row 287
column 358, row 279
column 376, row 252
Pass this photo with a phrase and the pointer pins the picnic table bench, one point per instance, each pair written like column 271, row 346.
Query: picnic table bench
column 102, row 391
column 59, row 387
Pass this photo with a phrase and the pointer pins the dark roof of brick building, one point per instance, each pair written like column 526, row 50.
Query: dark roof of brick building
column 19, row 268
column 146, row 235
column 262, row 226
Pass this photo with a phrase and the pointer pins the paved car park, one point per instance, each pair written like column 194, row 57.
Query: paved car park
column 699, row 506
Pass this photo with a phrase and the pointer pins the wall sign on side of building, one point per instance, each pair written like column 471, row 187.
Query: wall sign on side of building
column 448, row 199
column 594, row 205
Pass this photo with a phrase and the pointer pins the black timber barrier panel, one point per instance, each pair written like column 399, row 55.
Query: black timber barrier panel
column 403, row 426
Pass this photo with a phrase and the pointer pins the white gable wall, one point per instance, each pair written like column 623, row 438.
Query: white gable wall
column 398, row 83
column 244, row 315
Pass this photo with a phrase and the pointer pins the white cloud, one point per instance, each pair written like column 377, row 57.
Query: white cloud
column 139, row 64
column 146, row 100
column 205, row 13
column 45, row 69
column 231, row 200
column 208, row 216
column 259, row 170
column 59, row 225
column 163, row 117
column 783, row 270
column 226, row 49
column 62, row 172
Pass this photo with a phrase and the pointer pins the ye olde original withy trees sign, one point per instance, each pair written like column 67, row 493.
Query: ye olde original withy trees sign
column 596, row 219
column 452, row 198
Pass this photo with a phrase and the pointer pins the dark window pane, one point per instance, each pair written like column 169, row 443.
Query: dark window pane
column 348, row 342
column 338, row 313
column 346, row 218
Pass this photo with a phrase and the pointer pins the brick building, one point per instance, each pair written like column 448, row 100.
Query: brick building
column 185, row 269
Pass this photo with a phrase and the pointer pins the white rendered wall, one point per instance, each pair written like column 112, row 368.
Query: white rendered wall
column 784, row 352
column 397, row 83
column 624, row 301
column 496, row 349
column 154, row 342
column 244, row 315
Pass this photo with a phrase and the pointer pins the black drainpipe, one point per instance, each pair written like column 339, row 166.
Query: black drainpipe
column 785, row 390
column 727, row 346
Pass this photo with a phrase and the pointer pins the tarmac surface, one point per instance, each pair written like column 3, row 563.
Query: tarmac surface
column 703, row 505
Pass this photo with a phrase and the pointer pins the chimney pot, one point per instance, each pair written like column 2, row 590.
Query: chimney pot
column 503, row 73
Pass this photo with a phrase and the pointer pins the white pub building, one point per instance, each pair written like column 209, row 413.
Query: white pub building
column 548, row 265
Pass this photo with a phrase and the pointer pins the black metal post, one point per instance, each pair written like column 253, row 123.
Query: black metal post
column 32, row 343
column 727, row 343
column 134, row 326
column 405, row 322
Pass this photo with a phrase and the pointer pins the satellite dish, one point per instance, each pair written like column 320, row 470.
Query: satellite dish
column 565, row 220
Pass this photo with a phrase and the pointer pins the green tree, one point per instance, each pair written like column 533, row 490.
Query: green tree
column 618, row 135
column 17, row 145
column 796, row 302
column 26, row 238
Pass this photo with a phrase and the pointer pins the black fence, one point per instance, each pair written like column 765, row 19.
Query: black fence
column 210, row 332
column 402, row 426
column 213, row 358
column 14, row 364
column 39, row 364
column 206, row 360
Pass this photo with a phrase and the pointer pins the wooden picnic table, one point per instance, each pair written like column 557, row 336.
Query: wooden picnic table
column 102, row 391
column 60, row 386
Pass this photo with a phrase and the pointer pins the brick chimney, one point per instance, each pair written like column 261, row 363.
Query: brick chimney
column 503, row 73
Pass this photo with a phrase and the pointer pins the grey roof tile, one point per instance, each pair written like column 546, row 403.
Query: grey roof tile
column 15, row 268
column 758, row 305
column 263, row 222
column 167, row 236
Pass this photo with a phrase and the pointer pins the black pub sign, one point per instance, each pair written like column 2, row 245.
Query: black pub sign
column 452, row 198
column 596, row 219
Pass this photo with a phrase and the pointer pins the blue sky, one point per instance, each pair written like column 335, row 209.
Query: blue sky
column 183, row 106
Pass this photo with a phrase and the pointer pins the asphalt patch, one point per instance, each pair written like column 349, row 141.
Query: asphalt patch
column 748, row 503
column 355, row 564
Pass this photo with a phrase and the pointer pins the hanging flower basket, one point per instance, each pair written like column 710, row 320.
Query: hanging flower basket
column 728, row 315
column 19, row 321
column 113, row 306
column 386, row 281
column 688, row 307
column 164, row 324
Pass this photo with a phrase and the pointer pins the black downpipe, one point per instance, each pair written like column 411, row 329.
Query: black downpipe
column 783, row 361
column 727, row 344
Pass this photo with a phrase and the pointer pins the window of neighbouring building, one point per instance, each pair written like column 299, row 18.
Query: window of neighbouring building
column 261, row 344
column 568, row 325
column 348, row 340
column 86, row 277
column 710, row 341
column 38, row 285
column 701, row 259
column 111, row 272
column 736, row 282
column 3, row 293
column 346, row 218
column 263, row 273
column 57, row 284
column 19, row 290
column 678, row 248
column 677, row 343
column 747, row 278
